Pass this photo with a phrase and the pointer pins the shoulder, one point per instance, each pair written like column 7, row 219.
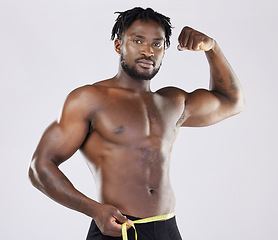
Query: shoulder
column 87, row 93
column 172, row 93
column 84, row 100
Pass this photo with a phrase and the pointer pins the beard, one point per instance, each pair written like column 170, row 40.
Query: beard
column 132, row 71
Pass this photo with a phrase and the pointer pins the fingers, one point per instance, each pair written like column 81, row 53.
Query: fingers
column 114, row 230
column 121, row 218
column 190, row 39
column 110, row 221
column 115, row 227
column 183, row 38
column 110, row 227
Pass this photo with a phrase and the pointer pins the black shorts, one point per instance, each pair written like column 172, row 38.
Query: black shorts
column 159, row 230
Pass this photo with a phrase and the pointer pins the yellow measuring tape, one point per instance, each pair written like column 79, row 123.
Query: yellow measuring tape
column 144, row 220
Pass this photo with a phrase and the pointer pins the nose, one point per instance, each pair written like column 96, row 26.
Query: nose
column 147, row 50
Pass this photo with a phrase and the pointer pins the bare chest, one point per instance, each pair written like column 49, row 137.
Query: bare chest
column 126, row 120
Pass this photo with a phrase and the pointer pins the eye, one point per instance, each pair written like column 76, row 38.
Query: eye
column 137, row 41
column 157, row 44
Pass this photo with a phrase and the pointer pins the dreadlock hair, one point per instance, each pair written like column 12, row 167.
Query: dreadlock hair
column 125, row 19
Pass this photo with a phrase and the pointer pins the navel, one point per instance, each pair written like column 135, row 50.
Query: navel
column 151, row 191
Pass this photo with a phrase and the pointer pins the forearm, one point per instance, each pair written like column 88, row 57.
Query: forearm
column 52, row 182
column 223, row 80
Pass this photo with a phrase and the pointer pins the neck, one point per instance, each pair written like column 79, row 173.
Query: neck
column 125, row 81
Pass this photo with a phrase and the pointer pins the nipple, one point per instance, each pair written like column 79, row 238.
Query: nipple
column 119, row 130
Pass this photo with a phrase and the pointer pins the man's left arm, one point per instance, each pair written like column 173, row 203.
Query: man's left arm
column 225, row 96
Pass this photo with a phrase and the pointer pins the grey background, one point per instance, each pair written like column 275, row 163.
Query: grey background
column 224, row 176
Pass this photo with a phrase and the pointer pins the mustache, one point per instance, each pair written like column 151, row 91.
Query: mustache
column 145, row 58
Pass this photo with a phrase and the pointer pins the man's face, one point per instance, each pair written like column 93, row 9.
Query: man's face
column 142, row 49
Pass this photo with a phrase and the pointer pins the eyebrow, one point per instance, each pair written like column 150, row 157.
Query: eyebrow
column 142, row 37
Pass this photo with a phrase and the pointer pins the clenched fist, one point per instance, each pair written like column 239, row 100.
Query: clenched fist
column 191, row 39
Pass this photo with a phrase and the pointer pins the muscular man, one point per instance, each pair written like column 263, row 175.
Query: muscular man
column 126, row 131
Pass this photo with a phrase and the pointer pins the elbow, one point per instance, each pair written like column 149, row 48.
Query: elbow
column 39, row 172
column 32, row 174
column 35, row 172
column 239, row 106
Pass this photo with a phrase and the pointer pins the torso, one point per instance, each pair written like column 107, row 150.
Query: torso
column 129, row 146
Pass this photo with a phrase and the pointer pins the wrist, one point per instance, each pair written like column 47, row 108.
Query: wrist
column 214, row 47
column 89, row 207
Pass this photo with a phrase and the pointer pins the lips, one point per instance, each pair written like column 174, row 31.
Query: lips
column 145, row 63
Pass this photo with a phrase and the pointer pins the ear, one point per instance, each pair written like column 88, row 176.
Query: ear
column 117, row 45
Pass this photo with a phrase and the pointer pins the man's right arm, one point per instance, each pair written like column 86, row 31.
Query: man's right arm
column 59, row 142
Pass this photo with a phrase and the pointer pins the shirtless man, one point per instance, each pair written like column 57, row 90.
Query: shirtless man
column 126, row 131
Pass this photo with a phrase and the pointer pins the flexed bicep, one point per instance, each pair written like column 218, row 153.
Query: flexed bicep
column 204, row 108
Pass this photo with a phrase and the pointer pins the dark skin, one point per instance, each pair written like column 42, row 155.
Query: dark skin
column 126, row 131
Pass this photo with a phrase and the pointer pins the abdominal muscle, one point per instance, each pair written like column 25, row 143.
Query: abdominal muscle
column 133, row 178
